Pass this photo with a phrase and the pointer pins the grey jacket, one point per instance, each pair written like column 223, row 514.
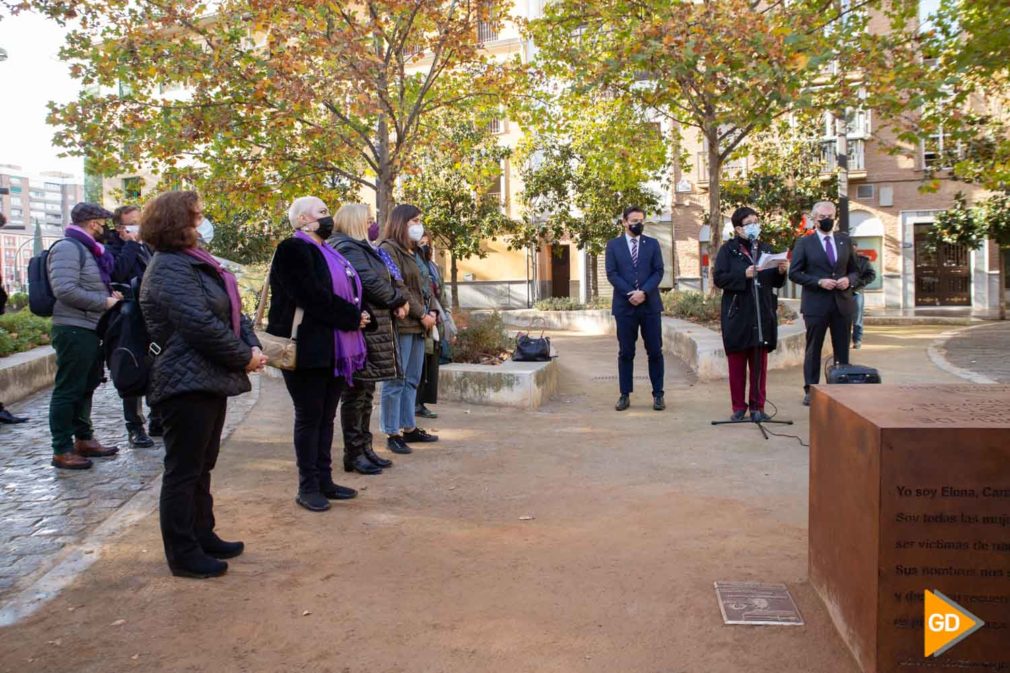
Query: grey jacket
column 79, row 290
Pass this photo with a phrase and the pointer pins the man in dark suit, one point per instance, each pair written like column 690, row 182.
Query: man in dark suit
column 825, row 265
column 635, row 269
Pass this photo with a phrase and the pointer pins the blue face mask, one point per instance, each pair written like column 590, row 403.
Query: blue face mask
column 752, row 231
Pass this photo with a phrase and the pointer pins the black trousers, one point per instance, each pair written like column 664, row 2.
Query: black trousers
column 316, row 394
column 356, row 417
column 651, row 327
column 427, row 390
column 193, row 424
column 817, row 328
column 133, row 413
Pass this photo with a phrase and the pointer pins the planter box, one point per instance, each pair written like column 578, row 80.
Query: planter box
column 700, row 347
column 23, row 374
column 525, row 385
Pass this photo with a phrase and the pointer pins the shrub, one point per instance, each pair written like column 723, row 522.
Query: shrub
column 785, row 314
column 694, row 306
column 599, row 303
column 558, row 304
column 17, row 301
column 22, row 331
column 250, row 284
column 483, row 339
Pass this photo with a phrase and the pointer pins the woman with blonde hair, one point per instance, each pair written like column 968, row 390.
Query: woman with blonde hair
column 384, row 296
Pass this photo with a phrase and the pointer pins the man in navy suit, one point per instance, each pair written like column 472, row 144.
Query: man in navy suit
column 825, row 265
column 635, row 269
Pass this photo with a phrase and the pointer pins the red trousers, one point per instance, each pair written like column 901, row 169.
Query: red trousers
column 738, row 365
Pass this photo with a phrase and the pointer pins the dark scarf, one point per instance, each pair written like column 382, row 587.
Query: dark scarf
column 106, row 262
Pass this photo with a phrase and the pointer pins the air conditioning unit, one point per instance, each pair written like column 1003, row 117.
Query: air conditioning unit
column 865, row 192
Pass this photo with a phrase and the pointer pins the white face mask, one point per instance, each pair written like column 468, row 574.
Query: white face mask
column 415, row 231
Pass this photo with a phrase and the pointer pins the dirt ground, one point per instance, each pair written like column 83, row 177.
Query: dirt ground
column 432, row 569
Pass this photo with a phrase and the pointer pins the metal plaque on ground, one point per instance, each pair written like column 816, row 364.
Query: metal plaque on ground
column 757, row 604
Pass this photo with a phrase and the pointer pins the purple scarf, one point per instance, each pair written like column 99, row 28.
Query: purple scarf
column 349, row 350
column 391, row 266
column 102, row 256
column 230, row 285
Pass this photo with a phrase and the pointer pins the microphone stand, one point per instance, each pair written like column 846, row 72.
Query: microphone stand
column 761, row 344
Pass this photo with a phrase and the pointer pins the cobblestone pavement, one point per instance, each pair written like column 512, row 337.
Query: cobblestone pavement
column 42, row 509
column 983, row 350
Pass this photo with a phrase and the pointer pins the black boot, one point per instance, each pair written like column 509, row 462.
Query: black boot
column 199, row 566
column 361, row 465
column 214, row 546
column 375, row 458
column 156, row 429
column 140, row 440
column 337, row 492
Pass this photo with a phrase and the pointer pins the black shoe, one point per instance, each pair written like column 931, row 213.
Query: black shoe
column 338, row 492
column 314, row 502
column 140, row 440
column 397, row 445
column 8, row 417
column 424, row 412
column 623, row 402
column 738, row 416
column 419, row 435
column 361, row 465
column 214, row 546
column 199, row 566
column 806, row 399
column 758, row 416
column 374, row 458
column 156, row 430
column 658, row 403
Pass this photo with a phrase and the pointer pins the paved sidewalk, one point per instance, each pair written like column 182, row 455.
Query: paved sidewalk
column 983, row 350
column 42, row 509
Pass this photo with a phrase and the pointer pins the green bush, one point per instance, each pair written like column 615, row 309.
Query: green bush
column 250, row 285
column 22, row 331
column 483, row 339
column 17, row 301
column 599, row 303
column 558, row 304
column 694, row 306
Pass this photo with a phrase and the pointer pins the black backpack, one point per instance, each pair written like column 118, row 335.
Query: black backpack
column 41, row 299
column 127, row 347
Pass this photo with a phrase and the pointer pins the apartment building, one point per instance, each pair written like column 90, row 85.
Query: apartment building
column 41, row 201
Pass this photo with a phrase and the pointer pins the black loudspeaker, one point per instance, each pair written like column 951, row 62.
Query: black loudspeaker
column 852, row 374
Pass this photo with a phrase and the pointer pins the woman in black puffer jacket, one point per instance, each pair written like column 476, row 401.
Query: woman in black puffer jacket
column 385, row 301
column 193, row 313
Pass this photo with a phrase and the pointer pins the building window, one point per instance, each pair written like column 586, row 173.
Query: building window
column 15, row 188
column 132, row 188
column 939, row 150
column 52, row 186
column 16, row 181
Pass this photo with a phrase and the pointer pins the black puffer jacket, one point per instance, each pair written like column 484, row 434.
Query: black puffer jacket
column 381, row 298
column 299, row 277
column 188, row 314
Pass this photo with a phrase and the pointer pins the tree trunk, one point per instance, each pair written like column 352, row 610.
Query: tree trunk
column 594, row 277
column 454, row 280
column 714, row 201
column 386, row 178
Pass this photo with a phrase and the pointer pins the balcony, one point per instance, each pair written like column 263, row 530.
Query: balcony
column 857, row 156
column 730, row 169
column 486, row 32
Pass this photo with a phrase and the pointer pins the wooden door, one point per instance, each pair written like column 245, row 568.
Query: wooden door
column 561, row 271
column 942, row 271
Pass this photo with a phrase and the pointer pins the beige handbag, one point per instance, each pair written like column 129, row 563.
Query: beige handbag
column 281, row 352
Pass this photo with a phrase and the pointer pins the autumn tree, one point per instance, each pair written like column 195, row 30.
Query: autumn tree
column 584, row 156
column 724, row 68
column 268, row 99
column 450, row 183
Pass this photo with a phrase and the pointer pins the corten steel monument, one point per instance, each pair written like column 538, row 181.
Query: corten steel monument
column 910, row 491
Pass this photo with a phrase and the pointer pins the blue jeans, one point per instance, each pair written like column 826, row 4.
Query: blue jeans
column 857, row 321
column 399, row 395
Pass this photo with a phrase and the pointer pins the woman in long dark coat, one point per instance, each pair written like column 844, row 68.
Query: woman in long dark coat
column 734, row 273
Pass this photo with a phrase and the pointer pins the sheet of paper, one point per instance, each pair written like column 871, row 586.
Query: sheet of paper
column 770, row 261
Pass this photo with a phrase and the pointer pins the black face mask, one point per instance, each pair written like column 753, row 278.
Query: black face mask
column 826, row 225
column 102, row 235
column 325, row 229
column 636, row 229
column 426, row 252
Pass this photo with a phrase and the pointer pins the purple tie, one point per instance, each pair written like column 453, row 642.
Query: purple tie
column 830, row 249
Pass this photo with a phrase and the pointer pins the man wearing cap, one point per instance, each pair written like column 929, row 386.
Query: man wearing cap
column 80, row 272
